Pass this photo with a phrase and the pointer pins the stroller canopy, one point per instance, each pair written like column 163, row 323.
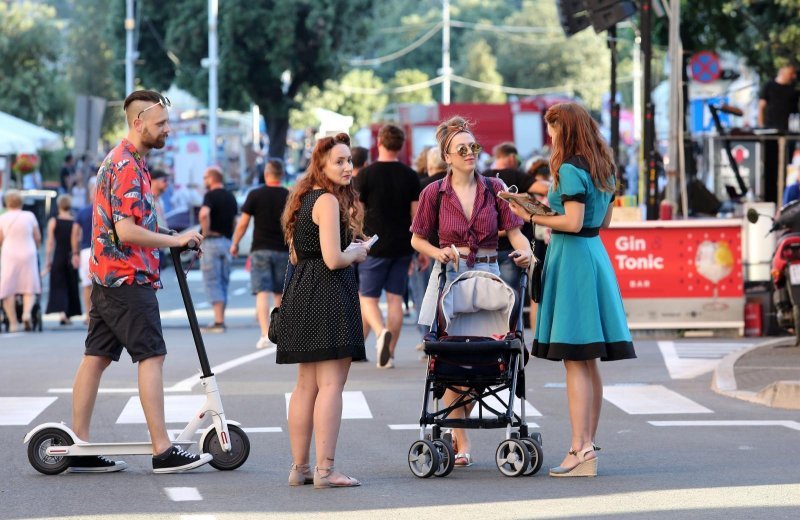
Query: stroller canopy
column 477, row 304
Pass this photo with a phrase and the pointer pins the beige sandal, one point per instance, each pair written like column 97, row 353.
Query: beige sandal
column 300, row 474
column 322, row 482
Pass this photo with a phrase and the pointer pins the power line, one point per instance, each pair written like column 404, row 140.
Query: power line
column 486, row 27
column 349, row 89
column 397, row 54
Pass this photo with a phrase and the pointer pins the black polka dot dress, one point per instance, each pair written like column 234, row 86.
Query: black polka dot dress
column 320, row 313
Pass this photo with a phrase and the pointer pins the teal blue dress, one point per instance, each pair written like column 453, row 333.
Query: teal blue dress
column 581, row 315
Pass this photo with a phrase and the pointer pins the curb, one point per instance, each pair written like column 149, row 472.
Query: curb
column 780, row 394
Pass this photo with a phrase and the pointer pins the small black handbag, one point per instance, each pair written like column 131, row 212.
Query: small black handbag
column 535, row 275
column 275, row 314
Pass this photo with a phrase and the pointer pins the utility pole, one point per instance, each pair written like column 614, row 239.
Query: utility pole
column 213, row 93
column 648, row 139
column 446, row 70
column 130, row 51
column 613, row 105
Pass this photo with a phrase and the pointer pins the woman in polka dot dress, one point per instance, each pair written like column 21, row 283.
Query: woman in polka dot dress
column 320, row 327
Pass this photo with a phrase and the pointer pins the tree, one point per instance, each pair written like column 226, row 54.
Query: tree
column 580, row 64
column 766, row 34
column 479, row 64
column 30, row 72
column 346, row 97
column 406, row 77
column 269, row 50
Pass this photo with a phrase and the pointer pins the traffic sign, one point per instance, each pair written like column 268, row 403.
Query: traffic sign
column 705, row 67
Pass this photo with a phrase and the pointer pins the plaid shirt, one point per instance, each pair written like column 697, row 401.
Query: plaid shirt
column 479, row 232
column 123, row 190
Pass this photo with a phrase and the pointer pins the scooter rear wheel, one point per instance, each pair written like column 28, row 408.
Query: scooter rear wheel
column 37, row 448
column 223, row 460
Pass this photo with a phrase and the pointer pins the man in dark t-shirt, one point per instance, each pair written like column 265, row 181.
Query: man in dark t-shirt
column 217, row 217
column 269, row 254
column 389, row 191
column 777, row 100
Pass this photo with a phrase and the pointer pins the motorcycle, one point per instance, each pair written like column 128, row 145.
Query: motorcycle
column 785, row 271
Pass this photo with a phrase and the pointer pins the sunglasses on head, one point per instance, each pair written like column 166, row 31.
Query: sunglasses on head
column 463, row 150
column 163, row 102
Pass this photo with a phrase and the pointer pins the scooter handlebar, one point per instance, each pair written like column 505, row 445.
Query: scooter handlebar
column 192, row 245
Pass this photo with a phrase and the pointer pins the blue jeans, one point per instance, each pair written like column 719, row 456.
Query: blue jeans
column 215, row 265
column 417, row 283
column 509, row 271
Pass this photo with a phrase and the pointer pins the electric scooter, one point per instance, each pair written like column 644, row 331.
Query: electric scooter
column 50, row 445
column 785, row 272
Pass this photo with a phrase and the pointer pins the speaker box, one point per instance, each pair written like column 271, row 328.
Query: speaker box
column 701, row 200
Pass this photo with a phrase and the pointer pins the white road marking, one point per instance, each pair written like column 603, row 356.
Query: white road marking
column 21, row 411
column 492, row 401
column 650, row 399
column 177, row 409
column 792, row 425
column 240, row 291
column 190, row 382
column 183, row 494
column 12, row 335
column 187, row 384
column 405, row 426
column 173, row 434
column 237, row 275
column 683, row 368
column 354, row 405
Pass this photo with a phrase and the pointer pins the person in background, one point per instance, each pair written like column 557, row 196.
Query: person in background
column 777, row 100
column 581, row 317
column 66, row 174
column 320, row 326
column 64, row 296
column 360, row 159
column 159, row 180
column 421, row 163
column 464, row 211
column 269, row 254
column 389, row 190
column 20, row 239
column 82, row 241
column 217, row 219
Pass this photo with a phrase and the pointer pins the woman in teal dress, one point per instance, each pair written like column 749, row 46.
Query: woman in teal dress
column 580, row 317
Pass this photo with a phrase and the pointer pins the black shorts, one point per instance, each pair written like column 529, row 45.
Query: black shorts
column 125, row 317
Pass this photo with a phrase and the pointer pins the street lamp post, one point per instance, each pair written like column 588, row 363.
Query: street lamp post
column 213, row 93
column 130, row 51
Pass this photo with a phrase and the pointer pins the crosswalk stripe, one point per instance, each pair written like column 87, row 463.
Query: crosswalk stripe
column 354, row 405
column 492, row 401
column 183, row 494
column 21, row 411
column 684, row 368
column 792, row 425
column 650, row 399
column 177, row 409
column 237, row 275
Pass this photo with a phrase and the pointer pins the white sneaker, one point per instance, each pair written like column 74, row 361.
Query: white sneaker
column 263, row 342
column 384, row 354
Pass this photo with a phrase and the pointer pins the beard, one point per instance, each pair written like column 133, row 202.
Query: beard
column 153, row 142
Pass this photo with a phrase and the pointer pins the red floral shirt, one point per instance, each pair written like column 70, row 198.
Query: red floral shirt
column 123, row 190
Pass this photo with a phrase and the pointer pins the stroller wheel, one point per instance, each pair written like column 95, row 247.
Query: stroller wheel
column 447, row 458
column 512, row 457
column 535, row 452
column 423, row 459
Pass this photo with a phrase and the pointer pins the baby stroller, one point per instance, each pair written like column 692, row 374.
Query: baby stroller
column 36, row 314
column 476, row 349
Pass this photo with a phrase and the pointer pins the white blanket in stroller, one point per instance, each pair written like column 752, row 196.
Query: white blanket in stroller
column 477, row 303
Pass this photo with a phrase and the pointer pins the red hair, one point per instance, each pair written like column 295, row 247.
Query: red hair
column 349, row 210
column 578, row 134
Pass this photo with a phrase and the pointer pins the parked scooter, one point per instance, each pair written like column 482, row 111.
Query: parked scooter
column 50, row 445
column 785, row 272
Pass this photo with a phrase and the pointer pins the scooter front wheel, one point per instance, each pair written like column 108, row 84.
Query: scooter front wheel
column 224, row 460
column 37, row 451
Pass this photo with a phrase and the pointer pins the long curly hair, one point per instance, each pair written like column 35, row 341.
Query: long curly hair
column 349, row 209
column 578, row 134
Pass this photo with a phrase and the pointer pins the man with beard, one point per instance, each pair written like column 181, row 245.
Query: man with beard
column 125, row 276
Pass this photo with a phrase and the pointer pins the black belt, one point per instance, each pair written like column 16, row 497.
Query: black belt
column 586, row 232
column 481, row 259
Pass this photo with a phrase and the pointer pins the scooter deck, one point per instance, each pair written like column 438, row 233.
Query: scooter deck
column 107, row 448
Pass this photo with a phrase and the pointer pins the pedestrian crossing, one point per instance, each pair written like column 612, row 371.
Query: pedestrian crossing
column 687, row 360
column 632, row 399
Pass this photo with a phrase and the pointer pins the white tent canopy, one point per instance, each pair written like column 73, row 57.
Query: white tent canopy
column 11, row 143
column 41, row 138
